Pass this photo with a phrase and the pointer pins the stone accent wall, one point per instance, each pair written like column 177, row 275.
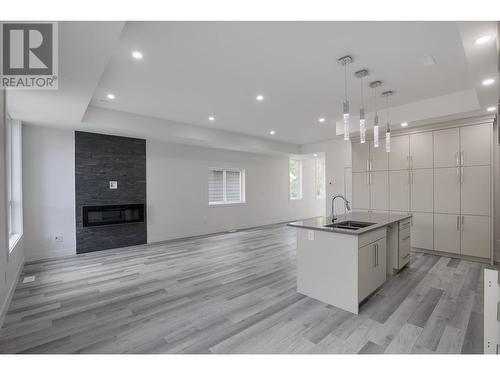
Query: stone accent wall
column 100, row 159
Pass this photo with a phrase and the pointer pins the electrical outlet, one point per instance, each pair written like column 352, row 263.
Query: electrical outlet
column 58, row 238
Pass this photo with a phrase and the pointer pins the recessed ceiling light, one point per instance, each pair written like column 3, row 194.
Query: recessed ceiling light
column 403, row 124
column 483, row 39
column 110, row 96
column 259, row 97
column 315, row 155
column 321, row 119
column 137, row 55
column 272, row 132
column 491, row 109
column 211, row 118
column 488, row 81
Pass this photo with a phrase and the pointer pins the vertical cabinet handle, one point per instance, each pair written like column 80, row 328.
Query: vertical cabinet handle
column 457, row 163
column 367, row 165
column 408, row 160
column 458, row 174
column 374, row 255
column 462, row 174
column 463, row 223
column 409, row 178
column 462, row 158
column 411, row 161
column 458, row 223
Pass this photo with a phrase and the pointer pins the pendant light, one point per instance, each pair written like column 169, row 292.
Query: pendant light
column 386, row 95
column 374, row 86
column 345, row 105
column 362, row 121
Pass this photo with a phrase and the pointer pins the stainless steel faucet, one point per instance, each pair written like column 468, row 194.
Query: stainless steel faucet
column 347, row 206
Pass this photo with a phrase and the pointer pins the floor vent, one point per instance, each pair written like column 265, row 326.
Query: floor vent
column 28, row 279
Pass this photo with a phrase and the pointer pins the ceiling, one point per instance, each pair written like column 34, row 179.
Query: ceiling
column 193, row 70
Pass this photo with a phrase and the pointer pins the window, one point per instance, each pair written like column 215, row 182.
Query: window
column 295, row 178
column 14, row 182
column 320, row 179
column 226, row 186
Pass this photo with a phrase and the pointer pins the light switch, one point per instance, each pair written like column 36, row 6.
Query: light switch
column 113, row 184
column 310, row 235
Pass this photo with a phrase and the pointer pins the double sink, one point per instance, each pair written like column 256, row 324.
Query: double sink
column 349, row 225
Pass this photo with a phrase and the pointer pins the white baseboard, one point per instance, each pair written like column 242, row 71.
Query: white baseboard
column 10, row 294
column 32, row 256
column 195, row 233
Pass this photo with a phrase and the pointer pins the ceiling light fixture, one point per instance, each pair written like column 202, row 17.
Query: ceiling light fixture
column 315, row 155
column 362, row 128
column 346, row 60
column 211, row 118
column 137, row 55
column 491, row 109
column 403, row 124
column 483, row 39
column 272, row 132
column 374, row 86
column 110, row 96
column 322, row 119
column 488, row 81
column 386, row 95
column 259, row 97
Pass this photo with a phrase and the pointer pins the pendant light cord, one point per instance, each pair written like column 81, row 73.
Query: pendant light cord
column 345, row 80
column 362, row 99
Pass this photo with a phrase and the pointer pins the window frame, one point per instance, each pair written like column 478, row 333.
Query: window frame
column 299, row 179
column 225, row 202
column 323, row 161
column 13, row 146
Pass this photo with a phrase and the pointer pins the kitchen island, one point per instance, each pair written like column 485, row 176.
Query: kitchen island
column 343, row 262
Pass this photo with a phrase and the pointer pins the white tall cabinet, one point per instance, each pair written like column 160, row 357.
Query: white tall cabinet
column 370, row 177
column 441, row 175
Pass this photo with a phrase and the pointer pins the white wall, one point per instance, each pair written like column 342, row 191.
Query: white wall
column 10, row 264
column 176, row 191
column 48, row 192
column 338, row 169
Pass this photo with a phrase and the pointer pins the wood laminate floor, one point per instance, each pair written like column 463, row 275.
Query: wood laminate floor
column 235, row 293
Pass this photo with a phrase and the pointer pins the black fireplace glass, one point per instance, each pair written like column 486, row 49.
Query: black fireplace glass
column 112, row 214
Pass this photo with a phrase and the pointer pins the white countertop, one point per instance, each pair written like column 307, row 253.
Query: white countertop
column 379, row 220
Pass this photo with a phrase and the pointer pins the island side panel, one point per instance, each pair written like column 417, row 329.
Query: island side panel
column 327, row 268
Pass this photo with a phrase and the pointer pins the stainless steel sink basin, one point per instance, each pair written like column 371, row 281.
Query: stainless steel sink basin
column 350, row 225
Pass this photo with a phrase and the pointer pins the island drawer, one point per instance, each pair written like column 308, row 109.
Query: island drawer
column 404, row 224
column 372, row 236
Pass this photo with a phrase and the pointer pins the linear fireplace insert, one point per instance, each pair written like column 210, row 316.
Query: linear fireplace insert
column 112, row 214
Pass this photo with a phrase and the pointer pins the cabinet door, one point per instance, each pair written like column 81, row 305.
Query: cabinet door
column 475, row 236
column 476, row 188
column 379, row 191
column 421, row 190
column 447, row 233
column 372, row 267
column 422, row 230
column 446, row 147
column 360, row 190
column 399, row 190
column 379, row 158
column 398, row 157
column 475, row 144
column 360, row 156
column 447, row 190
column 421, row 150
